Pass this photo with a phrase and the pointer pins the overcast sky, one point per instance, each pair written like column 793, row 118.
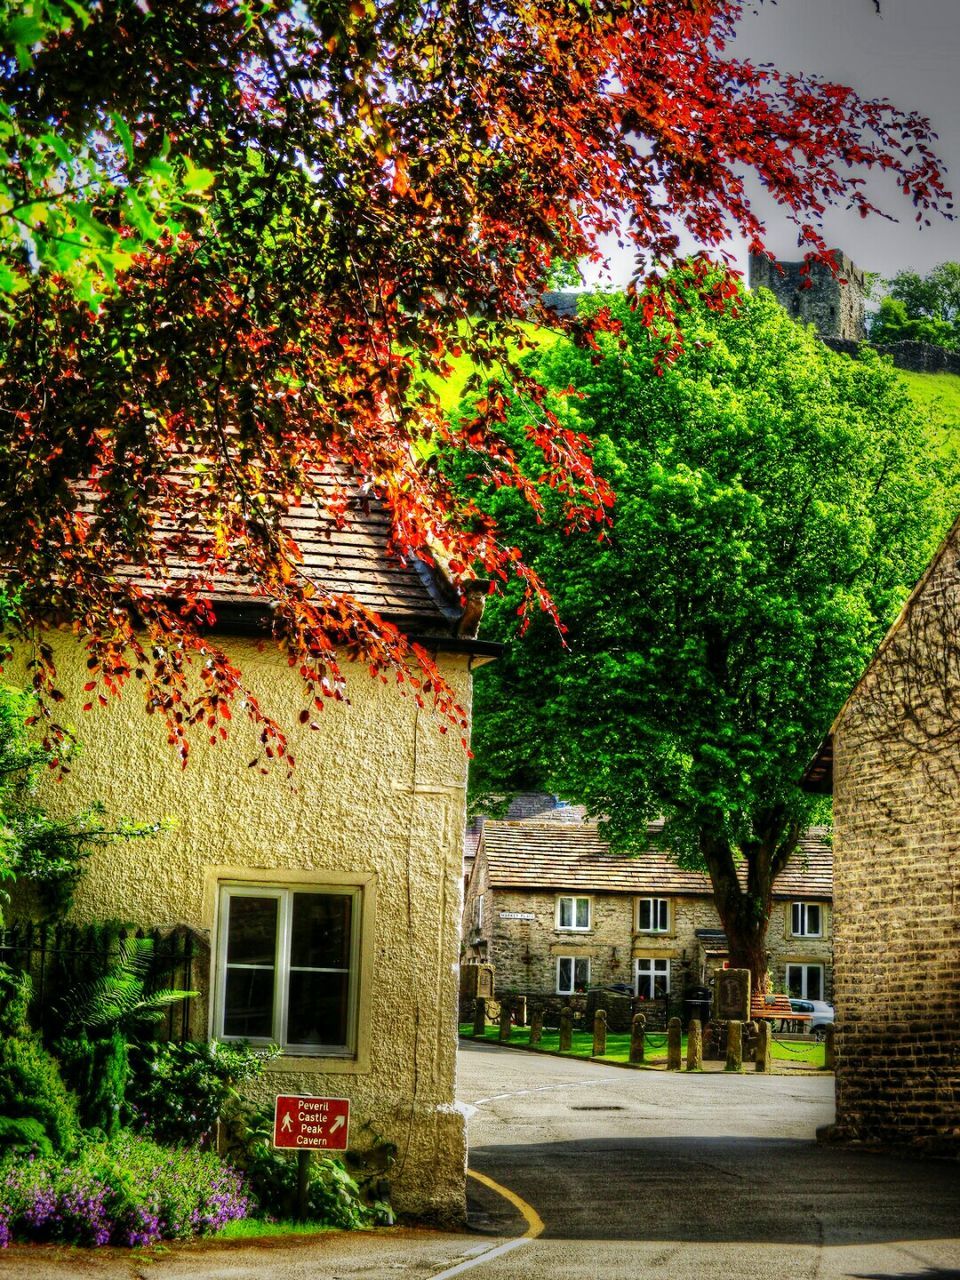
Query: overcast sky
column 910, row 54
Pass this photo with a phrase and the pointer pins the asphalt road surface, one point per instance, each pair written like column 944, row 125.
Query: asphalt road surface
column 713, row 1177
column 596, row 1173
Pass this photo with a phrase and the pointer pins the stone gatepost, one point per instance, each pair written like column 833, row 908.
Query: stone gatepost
column 506, row 1019
column 734, row 1045
column 566, row 1029
column 694, row 1046
column 674, row 1046
column 536, row 1026
column 762, row 1053
column 600, row 1033
column 830, row 1049
column 638, row 1029
column 479, row 1016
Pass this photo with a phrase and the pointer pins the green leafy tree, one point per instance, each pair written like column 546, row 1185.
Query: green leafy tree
column 774, row 504
column 921, row 308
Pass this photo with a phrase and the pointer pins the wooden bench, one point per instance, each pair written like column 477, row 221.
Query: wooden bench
column 773, row 1008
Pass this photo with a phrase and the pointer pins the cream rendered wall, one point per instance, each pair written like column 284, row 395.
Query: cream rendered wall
column 378, row 794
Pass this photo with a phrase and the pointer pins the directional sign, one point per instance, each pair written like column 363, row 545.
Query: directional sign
column 311, row 1124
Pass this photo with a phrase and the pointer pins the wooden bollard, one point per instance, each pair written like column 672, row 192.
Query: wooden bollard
column 830, row 1049
column 694, row 1045
column 638, row 1030
column 734, row 1046
column 674, row 1045
column 506, row 1020
column 566, row 1029
column 761, row 1057
column 479, row 1016
column 600, row 1033
column 536, row 1026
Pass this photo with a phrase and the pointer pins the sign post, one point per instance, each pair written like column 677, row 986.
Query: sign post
column 305, row 1124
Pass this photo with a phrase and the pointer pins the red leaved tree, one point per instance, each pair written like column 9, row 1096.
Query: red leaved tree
column 389, row 185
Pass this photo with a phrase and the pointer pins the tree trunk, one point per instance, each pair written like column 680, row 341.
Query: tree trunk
column 744, row 914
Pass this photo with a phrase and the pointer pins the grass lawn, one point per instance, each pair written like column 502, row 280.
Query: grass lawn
column 939, row 395
column 254, row 1228
column 618, row 1045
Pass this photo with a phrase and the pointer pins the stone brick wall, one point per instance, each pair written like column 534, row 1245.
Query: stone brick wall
column 524, row 951
column 836, row 310
column 915, row 357
column 897, row 880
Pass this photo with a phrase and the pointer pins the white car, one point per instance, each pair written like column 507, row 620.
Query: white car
column 821, row 1014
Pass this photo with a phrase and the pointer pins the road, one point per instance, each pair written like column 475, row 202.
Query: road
column 642, row 1174
column 627, row 1176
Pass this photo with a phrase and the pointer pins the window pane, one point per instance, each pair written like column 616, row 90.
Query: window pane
column 564, row 974
column 317, row 1009
column 645, row 922
column 813, row 982
column 813, row 919
column 566, row 913
column 248, row 1003
column 581, row 974
column 320, row 932
column 662, row 914
column 794, row 980
column 797, row 918
column 583, row 913
column 252, row 925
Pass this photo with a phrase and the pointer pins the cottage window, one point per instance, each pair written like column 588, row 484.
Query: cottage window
column 805, row 981
column 807, row 920
column 653, row 915
column 573, row 974
column 573, row 913
column 653, row 979
column 287, row 970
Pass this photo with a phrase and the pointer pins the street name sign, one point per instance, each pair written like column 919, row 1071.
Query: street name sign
column 311, row 1124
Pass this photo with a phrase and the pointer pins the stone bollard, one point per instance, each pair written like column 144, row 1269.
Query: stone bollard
column 536, row 1026
column 734, row 1045
column 830, row 1049
column 762, row 1053
column 479, row 1016
column 638, row 1029
column 694, row 1046
column 600, row 1033
column 506, row 1020
column 674, row 1047
column 566, row 1029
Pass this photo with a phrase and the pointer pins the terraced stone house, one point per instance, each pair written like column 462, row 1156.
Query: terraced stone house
column 555, row 913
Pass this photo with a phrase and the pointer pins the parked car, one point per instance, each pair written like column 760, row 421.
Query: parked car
column 821, row 1014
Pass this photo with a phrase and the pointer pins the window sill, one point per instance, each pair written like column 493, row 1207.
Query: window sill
column 288, row 1063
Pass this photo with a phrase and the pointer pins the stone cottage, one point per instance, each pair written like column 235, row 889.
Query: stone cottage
column 330, row 907
column 555, row 913
column 892, row 761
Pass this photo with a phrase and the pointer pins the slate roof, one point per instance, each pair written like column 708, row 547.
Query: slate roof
column 556, row 856
column 352, row 559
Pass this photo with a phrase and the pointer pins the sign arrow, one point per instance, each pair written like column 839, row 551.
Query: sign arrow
column 338, row 1123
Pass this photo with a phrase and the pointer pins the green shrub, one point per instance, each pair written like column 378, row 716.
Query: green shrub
column 334, row 1195
column 183, row 1089
column 99, row 1072
column 127, row 1191
column 15, row 992
column 31, row 1088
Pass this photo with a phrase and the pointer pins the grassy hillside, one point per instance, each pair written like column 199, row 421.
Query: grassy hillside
column 939, row 395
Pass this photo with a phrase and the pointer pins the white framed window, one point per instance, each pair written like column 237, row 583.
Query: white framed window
column 573, row 913
column 653, row 915
column 805, row 981
column 288, row 967
column 573, row 974
column 807, row 920
column 652, row 979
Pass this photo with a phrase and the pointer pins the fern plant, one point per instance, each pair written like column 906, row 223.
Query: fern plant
column 119, row 1000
